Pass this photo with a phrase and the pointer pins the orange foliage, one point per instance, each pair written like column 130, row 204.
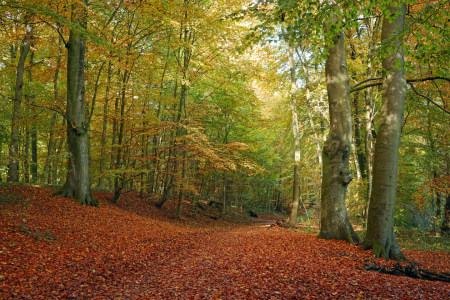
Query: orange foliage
column 53, row 248
column 435, row 185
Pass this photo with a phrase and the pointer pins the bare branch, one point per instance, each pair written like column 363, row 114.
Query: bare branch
column 428, row 98
column 355, row 89
column 364, row 81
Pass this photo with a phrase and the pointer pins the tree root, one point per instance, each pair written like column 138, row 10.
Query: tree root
column 410, row 270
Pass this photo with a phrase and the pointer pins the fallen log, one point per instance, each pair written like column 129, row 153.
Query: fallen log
column 281, row 224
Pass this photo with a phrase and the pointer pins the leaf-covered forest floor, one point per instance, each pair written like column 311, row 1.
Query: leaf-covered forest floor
column 50, row 247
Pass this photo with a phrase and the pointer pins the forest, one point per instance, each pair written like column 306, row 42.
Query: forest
column 134, row 130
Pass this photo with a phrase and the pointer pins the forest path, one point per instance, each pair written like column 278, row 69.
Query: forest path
column 136, row 251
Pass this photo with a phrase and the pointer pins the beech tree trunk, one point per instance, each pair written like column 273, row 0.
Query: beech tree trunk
column 119, row 178
column 188, row 38
column 33, row 130
column 101, row 181
column 292, row 94
column 13, row 167
column 183, row 184
column 46, row 174
column 336, row 150
column 380, row 235
column 55, row 170
column 26, row 151
column 368, row 145
column 78, row 183
column 309, row 108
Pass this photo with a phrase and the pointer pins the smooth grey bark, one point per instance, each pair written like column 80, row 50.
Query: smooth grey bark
column 297, row 153
column 358, row 154
column 368, row 150
column 336, row 150
column 380, row 236
column 78, row 182
column 13, row 167
column 368, row 145
column 356, row 159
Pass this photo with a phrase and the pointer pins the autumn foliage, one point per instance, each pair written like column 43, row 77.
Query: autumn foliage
column 50, row 247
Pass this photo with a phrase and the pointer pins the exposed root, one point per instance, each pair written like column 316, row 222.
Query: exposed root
column 410, row 270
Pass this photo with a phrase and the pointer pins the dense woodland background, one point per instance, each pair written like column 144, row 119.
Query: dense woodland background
column 192, row 100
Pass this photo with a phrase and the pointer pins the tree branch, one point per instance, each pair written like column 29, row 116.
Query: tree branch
column 364, row 81
column 428, row 98
column 427, row 79
column 355, row 89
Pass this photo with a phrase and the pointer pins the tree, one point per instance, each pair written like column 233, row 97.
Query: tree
column 380, row 235
column 292, row 94
column 78, row 183
column 336, row 150
column 13, row 175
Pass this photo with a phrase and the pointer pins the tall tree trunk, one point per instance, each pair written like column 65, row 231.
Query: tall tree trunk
column 187, row 37
column 336, row 150
column 26, row 152
column 380, row 235
column 292, row 94
column 368, row 145
column 33, row 130
column 169, row 178
column 309, row 108
column 46, row 177
column 368, row 150
column 54, row 173
column 104, row 128
column 356, row 160
column 224, row 195
column 119, row 179
column 183, row 183
column 78, row 182
column 13, row 167
column 358, row 153
column 115, row 127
